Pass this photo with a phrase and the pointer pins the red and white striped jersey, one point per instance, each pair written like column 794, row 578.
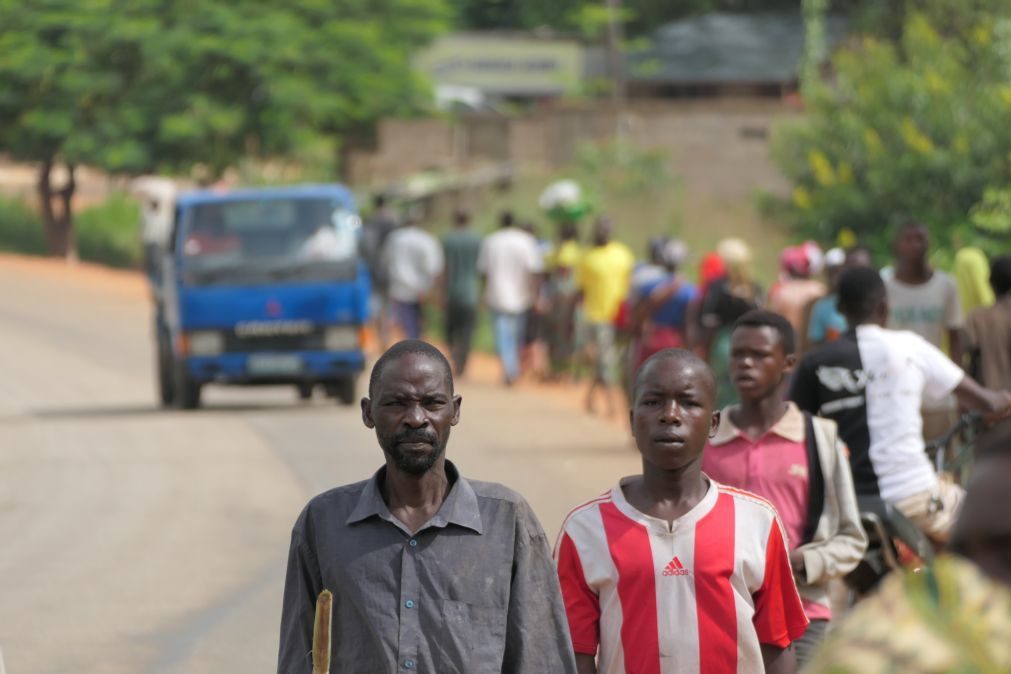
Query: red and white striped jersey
column 698, row 596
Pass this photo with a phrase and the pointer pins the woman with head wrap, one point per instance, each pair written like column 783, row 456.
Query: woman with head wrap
column 727, row 300
column 797, row 288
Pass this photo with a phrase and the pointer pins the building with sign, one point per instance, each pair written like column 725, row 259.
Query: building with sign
column 481, row 69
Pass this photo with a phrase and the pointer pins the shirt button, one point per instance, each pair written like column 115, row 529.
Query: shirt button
column 413, row 543
column 409, row 664
column 409, row 603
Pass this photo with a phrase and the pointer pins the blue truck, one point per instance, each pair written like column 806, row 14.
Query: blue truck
column 260, row 287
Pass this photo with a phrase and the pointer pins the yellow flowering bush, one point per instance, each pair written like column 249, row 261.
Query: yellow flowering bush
column 917, row 128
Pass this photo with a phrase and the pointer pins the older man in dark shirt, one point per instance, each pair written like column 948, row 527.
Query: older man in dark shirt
column 430, row 572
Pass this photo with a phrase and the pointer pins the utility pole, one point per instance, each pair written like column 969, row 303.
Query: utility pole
column 616, row 65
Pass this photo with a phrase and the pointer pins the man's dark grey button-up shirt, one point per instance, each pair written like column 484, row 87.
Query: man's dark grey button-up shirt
column 473, row 591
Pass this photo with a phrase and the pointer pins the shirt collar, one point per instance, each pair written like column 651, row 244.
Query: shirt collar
column 790, row 427
column 459, row 508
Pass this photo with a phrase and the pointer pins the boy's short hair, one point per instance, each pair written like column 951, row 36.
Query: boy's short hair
column 682, row 355
column 763, row 318
column 860, row 290
column 1000, row 275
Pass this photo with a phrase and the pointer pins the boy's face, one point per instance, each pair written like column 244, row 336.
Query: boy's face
column 758, row 365
column 672, row 415
column 912, row 244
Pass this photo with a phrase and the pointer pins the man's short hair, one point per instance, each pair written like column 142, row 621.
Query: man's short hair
column 404, row 348
column 860, row 291
column 763, row 318
column 1000, row 275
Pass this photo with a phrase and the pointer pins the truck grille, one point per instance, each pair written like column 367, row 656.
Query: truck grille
column 312, row 341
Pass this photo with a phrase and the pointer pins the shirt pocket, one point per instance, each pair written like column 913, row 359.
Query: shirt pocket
column 476, row 634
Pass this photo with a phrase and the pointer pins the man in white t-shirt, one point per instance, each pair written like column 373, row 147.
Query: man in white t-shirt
column 925, row 301
column 872, row 382
column 412, row 259
column 511, row 263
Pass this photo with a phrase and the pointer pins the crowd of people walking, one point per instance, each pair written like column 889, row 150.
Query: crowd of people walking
column 720, row 556
column 574, row 309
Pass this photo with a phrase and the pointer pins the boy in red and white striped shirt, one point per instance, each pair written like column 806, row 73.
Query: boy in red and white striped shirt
column 670, row 572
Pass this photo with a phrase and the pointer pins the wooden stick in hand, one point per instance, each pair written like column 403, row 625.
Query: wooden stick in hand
column 321, row 633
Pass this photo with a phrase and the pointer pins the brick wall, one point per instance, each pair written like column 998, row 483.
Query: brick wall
column 718, row 147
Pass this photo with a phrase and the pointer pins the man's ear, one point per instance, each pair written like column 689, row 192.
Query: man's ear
column 714, row 424
column 367, row 413
column 457, row 403
column 791, row 362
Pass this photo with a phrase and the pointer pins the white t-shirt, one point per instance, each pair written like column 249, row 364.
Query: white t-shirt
column 930, row 310
column 508, row 259
column 901, row 368
column 413, row 261
column 326, row 243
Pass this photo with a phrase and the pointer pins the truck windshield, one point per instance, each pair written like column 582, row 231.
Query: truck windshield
column 263, row 240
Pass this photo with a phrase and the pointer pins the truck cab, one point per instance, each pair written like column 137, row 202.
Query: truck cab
column 261, row 287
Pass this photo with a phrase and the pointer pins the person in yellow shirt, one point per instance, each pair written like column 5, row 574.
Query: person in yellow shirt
column 603, row 278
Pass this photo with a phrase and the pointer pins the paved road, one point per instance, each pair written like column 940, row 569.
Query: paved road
column 141, row 541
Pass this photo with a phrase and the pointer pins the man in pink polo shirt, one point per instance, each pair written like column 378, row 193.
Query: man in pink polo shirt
column 768, row 446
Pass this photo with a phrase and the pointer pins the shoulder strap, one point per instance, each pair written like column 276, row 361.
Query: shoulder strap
column 816, row 478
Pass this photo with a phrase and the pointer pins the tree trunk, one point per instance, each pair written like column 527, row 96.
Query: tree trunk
column 57, row 225
column 67, row 213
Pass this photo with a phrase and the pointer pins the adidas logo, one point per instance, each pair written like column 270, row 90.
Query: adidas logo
column 675, row 568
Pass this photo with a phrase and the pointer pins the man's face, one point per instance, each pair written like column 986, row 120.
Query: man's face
column 672, row 415
column 413, row 411
column 757, row 362
column 912, row 244
column 983, row 531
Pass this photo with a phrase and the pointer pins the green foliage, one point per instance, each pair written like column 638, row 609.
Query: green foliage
column 992, row 215
column 621, row 169
column 20, row 228
column 109, row 234
column 146, row 84
column 916, row 129
column 643, row 16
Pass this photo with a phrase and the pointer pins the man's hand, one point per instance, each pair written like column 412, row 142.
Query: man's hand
column 779, row 660
column 998, row 416
column 586, row 664
column 797, row 563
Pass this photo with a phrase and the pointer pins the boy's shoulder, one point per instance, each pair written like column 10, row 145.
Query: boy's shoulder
column 748, row 504
column 587, row 513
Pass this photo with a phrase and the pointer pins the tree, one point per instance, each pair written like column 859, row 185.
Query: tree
column 68, row 70
column 914, row 129
column 139, row 85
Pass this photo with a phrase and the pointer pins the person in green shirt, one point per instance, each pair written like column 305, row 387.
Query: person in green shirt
column 461, row 287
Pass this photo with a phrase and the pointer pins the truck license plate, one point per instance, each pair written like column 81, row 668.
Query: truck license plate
column 273, row 364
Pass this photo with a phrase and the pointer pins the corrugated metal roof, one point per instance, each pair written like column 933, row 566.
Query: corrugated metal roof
column 728, row 48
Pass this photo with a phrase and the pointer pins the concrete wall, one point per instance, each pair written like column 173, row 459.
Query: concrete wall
column 718, row 147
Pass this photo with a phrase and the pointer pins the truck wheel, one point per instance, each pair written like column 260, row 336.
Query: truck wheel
column 187, row 391
column 344, row 390
column 166, row 388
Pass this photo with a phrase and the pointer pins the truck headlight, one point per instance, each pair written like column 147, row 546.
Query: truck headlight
column 206, row 343
column 341, row 338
